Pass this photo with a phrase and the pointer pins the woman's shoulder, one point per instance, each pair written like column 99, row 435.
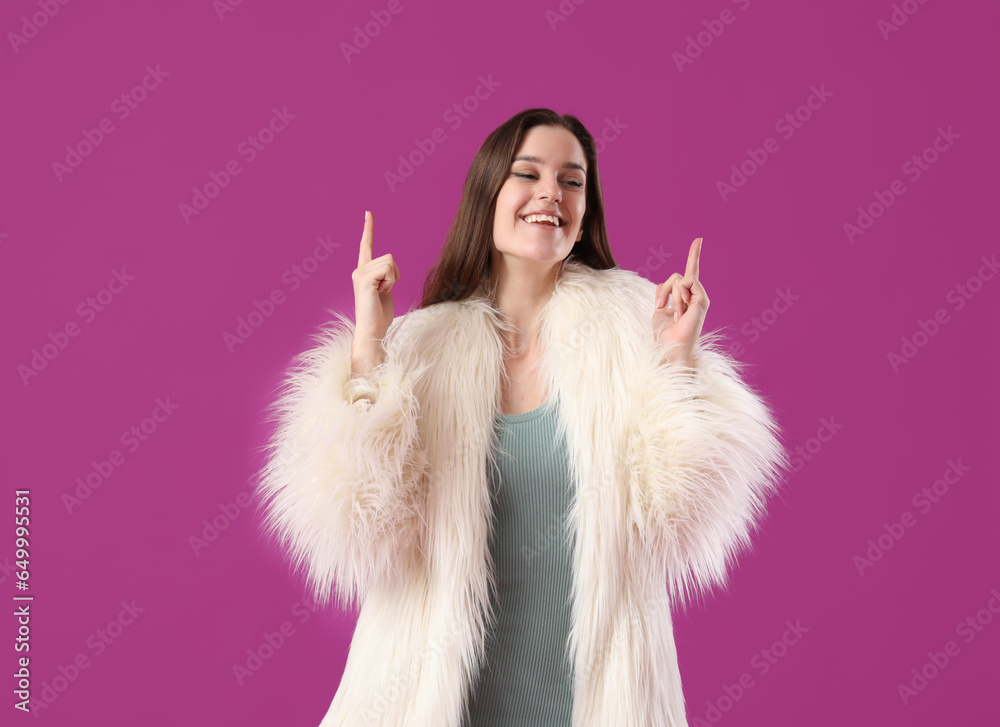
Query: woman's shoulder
column 615, row 293
column 421, row 321
column 427, row 330
column 610, row 283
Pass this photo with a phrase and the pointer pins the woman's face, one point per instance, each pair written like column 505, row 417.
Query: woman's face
column 548, row 174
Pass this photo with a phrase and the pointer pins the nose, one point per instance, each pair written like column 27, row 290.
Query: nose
column 551, row 191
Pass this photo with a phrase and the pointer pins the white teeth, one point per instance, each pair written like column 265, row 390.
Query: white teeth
column 543, row 218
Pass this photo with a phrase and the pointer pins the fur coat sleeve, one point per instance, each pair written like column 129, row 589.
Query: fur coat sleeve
column 341, row 483
column 704, row 456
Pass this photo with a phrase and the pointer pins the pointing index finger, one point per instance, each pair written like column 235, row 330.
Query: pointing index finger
column 692, row 262
column 367, row 240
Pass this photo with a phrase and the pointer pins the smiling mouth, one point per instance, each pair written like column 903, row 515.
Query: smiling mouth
column 542, row 222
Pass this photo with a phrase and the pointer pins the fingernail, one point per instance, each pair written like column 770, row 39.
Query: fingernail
column 366, row 215
column 676, row 316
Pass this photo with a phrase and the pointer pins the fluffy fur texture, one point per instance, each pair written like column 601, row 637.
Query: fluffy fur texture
column 380, row 490
column 343, row 474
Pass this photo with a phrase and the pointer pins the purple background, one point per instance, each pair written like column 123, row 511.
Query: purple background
column 672, row 134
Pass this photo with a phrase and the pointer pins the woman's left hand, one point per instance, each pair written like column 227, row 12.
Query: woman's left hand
column 678, row 327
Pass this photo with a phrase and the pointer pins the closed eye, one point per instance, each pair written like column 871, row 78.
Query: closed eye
column 571, row 182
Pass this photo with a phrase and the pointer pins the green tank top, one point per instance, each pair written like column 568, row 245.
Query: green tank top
column 527, row 677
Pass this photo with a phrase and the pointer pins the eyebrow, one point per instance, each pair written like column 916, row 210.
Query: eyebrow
column 537, row 160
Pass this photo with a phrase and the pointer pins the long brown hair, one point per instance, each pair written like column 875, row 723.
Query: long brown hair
column 465, row 258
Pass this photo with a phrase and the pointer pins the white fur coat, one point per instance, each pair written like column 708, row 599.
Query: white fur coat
column 379, row 490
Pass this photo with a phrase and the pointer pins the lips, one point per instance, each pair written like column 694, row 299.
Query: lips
column 561, row 223
column 544, row 226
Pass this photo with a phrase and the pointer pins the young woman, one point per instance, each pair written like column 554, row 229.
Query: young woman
column 519, row 480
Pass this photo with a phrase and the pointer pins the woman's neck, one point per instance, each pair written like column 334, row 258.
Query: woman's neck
column 522, row 289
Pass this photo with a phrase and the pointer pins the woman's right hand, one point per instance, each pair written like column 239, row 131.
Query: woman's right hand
column 373, row 311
